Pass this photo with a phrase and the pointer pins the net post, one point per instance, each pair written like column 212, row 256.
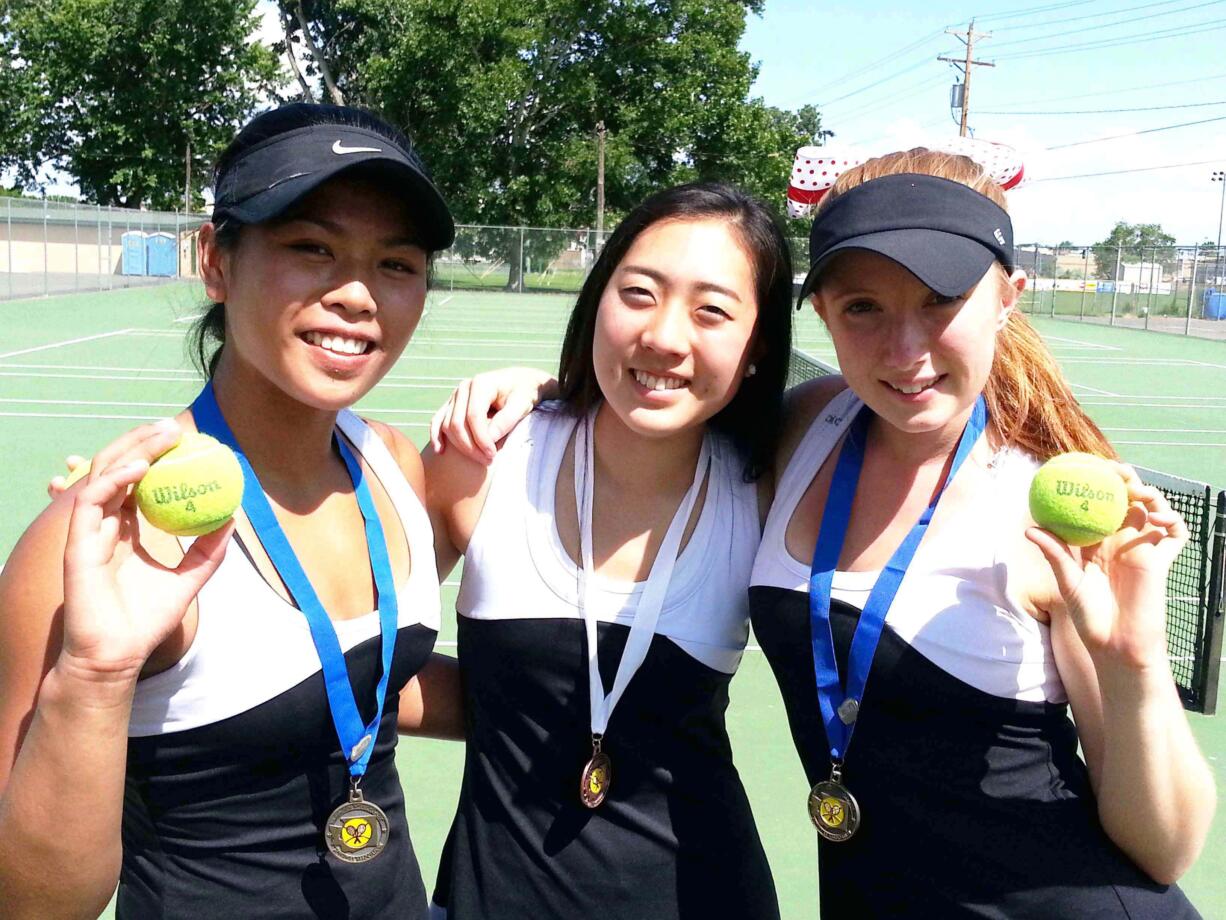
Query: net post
column 1213, row 639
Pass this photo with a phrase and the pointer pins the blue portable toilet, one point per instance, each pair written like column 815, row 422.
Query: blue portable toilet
column 162, row 255
column 1215, row 304
column 133, row 243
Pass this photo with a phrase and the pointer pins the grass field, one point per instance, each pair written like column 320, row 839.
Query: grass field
column 77, row 370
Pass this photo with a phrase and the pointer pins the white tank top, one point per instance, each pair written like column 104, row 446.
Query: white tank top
column 516, row 567
column 252, row 645
column 955, row 605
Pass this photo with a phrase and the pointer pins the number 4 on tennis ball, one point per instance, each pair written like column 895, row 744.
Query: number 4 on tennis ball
column 1078, row 497
column 193, row 488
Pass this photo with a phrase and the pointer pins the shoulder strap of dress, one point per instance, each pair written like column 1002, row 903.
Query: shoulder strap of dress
column 814, row 448
column 375, row 453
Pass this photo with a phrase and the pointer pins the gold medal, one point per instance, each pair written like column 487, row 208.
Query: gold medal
column 357, row 831
column 597, row 777
column 833, row 810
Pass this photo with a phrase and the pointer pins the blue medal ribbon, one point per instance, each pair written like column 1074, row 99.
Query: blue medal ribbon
column 838, row 706
column 356, row 739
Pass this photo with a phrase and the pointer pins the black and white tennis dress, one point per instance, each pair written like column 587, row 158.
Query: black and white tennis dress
column 233, row 760
column 675, row 837
column 964, row 762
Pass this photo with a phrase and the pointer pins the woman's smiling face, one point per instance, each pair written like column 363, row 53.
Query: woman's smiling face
column 917, row 359
column 322, row 301
column 675, row 325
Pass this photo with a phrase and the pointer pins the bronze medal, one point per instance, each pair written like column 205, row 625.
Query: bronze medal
column 597, row 778
column 357, row 831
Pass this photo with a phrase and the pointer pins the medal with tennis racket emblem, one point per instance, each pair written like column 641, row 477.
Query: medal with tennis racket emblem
column 357, row 831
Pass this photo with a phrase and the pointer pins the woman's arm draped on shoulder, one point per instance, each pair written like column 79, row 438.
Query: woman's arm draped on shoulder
column 431, row 703
column 1155, row 791
column 82, row 607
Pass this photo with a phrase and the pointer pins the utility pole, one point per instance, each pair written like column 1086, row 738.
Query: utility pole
column 967, row 38
column 187, row 179
column 600, row 132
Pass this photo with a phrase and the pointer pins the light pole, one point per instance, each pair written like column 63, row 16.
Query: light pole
column 1219, row 175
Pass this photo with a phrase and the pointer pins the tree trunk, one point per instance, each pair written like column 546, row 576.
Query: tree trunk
column 307, row 94
column 320, row 62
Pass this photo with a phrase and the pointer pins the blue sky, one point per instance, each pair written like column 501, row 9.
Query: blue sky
column 813, row 52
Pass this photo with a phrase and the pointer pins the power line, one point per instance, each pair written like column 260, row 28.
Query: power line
column 885, row 102
column 1213, row 25
column 1086, row 16
column 1099, row 26
column 1150, row 108
column 1035, row 9
column 1115, row 137
column 1120, row 172
column 1122, row 89
column 862, row 89
column 860, row 69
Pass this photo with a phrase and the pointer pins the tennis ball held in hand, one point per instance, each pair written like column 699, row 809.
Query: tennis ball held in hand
column 1078, row 497
column 193, row 488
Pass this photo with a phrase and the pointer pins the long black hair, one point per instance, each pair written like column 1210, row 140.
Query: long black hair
column 753, row 418
column 208, row 334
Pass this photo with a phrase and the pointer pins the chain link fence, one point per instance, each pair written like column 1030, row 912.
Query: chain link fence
column 1179, row 289
column 54, row 248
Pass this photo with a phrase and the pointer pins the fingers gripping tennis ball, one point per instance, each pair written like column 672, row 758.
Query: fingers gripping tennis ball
column 79, row 472
column 193, row 488
column 1078, row 497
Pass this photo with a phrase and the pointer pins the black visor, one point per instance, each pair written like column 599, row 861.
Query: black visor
column 271, row 176
column 943, row 232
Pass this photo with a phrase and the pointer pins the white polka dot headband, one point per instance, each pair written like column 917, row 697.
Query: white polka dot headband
column 815, row 169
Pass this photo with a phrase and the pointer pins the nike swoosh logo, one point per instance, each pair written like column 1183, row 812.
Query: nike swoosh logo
column 340, row 149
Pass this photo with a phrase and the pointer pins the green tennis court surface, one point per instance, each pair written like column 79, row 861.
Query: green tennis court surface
column 75, row 371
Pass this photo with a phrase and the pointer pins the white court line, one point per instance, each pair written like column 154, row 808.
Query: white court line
column 133, row 418
column 88, row 338
column 188, row 319
column 143, row 379
column 1155, row 404
column 160, row 405
column 1146, row 398
column 425, row 339
column 1145, row 362
column 1173, row 430
column 1082, row 344
column 152, row 379
column 1095, row 390
column 91, row 402
column 188, row 372
column 1171, row 443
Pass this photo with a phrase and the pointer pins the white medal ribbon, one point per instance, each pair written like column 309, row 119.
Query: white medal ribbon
column 651, row 600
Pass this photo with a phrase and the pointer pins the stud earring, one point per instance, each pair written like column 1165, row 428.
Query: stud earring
column 751, row 370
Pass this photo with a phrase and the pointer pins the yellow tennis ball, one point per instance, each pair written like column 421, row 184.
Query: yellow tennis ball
column 1078, row 497
column 193, row 488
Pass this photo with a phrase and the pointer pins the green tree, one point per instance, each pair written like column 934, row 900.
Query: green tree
column 1133, row 243
column 503, row 98
column 115, row 92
